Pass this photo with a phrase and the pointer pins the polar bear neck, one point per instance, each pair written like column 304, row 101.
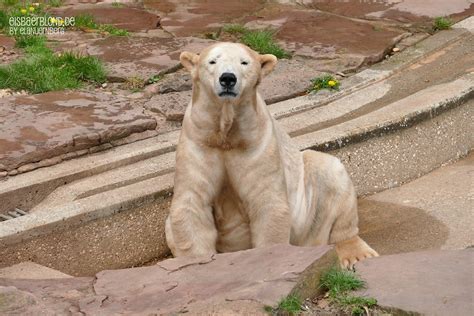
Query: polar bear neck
column 223, row 125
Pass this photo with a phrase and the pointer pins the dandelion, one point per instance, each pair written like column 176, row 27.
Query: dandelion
column 332, row 83
column 32, row 9
column 60, row 21
column 23, row 11
column 53, row 20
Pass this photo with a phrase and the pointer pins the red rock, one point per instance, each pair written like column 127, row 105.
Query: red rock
column 428, row 283
column 47, row 125
column 239, row 282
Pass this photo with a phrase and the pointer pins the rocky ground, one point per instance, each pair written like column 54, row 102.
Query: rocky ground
column 322, row 37
column 431, row 213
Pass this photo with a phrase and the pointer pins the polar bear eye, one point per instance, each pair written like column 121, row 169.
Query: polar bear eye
column 244, row 63
column 212, row 62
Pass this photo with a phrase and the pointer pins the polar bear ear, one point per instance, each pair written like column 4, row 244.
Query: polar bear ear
column 268, row 62
column 189, row 60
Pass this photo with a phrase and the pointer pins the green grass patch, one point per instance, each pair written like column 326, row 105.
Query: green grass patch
column 9, row 3
column 442, row 23
column 87, row 21
column 42, row 70
column 262, row 41
column 33, row 42
column 339, row 283
column 3, row 20
column 324, row 82
column 290, row 305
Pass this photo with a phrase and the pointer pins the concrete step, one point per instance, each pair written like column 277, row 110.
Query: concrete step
column 371, row 125
column 133, row 184
column 103, row 183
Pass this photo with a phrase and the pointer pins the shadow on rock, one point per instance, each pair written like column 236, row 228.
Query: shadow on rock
column 393, row 228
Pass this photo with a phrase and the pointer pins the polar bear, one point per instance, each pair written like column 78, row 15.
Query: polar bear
column 240, row 182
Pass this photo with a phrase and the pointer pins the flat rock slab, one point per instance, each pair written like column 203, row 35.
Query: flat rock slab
column 130, row 19
column 406, row 10
column 223, row 282
column 427, row 283
column 48, row 125
column 135, row 56
column 315, row 34
column 184, row 18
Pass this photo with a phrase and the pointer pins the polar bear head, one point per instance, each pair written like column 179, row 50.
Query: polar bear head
column 227, row 72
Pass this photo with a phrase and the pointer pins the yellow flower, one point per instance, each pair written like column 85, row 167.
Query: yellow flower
column 332, row 83
column 60, row 21
column 53, row 20
column 23, row 11
column 32, row 9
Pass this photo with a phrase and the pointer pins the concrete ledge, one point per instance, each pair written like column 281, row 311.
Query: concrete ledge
column 402, row 114
column 26, row 190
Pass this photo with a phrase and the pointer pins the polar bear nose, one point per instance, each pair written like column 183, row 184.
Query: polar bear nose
column 228, row 80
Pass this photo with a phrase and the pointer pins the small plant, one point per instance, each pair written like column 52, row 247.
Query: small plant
column 112, row 30
column 154, row 79
column 376, row 28
column 339, row 283
column 3, row 20
column 117, row 4
column 290, row 305
column 324, row 82
column 357, row 304
column 234, row 29
column 34, row 42
column 134, row 84
column 211, row 35
column 442, row 23
column 87, row 21
column 9, row 3
column 55, row 3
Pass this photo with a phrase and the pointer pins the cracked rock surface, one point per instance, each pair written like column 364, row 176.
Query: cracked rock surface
column 197, row 285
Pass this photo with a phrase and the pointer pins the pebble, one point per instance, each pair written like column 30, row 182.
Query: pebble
column 396, row 49
column 5, row 93
column 104, row 85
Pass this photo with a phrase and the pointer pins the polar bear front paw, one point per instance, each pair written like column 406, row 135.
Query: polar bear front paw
column 353, row 250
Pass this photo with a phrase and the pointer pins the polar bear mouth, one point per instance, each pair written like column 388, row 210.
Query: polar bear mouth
column 227, row 94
